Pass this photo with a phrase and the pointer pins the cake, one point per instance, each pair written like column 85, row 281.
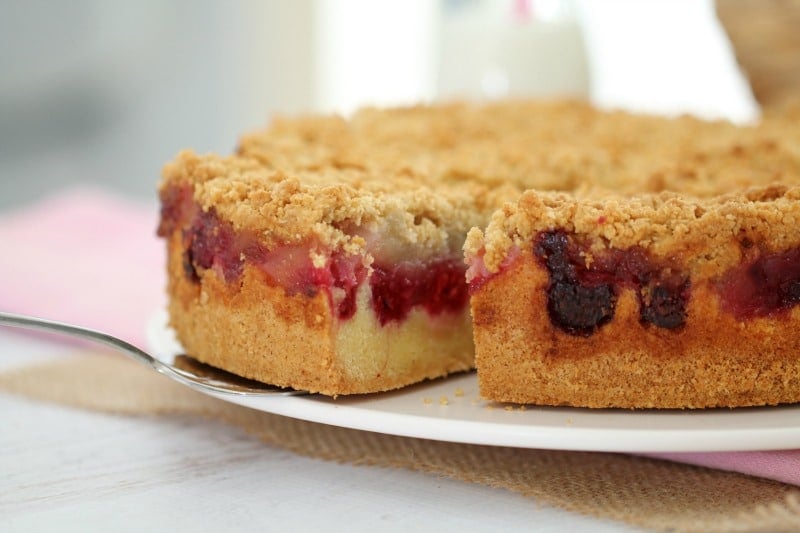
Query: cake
column 333, row 281
column 652, row 301
column 325, row 254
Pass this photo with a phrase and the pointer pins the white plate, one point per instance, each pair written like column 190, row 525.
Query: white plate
column 451, row 410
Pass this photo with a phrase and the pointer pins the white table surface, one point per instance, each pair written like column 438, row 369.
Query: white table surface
column 63, row 469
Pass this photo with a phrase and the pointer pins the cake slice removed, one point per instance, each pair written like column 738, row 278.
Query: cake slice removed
column 652, row 301
column 333, row 281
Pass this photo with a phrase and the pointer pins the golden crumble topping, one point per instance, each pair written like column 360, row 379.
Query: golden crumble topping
column 422, row 176
column 336, row 207
column 703, row 233
column 559, row 145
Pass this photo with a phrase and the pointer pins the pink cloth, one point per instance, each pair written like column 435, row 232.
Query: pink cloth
column 91, row 258
column 780, row 465
column 85, row 257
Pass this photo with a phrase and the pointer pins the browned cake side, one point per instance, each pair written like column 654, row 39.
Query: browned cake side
column 233, row 329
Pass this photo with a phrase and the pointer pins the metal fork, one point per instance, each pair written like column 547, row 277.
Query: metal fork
column 216, row 382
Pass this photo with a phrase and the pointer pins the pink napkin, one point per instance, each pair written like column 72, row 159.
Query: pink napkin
column 88, row 257
column 85, row 257
column 780, row 465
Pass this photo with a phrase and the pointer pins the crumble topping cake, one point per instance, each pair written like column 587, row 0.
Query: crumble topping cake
column 326, row 254
column 333, row 281
column 647, row 301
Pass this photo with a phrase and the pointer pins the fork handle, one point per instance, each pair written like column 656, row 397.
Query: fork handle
column 42, row 324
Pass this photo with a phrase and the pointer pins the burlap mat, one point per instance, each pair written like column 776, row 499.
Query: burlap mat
column 766, row 37
column 643, row 492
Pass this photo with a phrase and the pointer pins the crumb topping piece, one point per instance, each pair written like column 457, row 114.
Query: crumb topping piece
column 335, row 208
column 707, row 235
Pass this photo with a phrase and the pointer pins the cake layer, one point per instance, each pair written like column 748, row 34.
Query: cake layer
column 652, row 301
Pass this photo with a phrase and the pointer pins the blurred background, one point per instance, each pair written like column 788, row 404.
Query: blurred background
column 105, row 92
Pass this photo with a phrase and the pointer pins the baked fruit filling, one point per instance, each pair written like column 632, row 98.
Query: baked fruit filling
column 436, row 285
column 582, row 293
column 765, row 285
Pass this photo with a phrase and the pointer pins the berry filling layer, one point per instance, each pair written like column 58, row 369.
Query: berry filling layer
column 435, row 285
column 582, row 296
column 764, row 286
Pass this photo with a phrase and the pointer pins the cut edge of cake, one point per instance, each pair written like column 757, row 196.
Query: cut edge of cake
column 334, row 287
column 655, row 301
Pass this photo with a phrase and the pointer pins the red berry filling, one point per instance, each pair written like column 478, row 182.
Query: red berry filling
column 577, row 302
column 438, row 286
column 177, row 206
column 762, row 287
column 212, row 244
column 581, row 298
